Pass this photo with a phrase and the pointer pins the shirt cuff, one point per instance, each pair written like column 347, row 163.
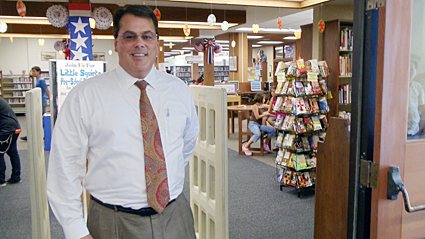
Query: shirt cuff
column 76, row 231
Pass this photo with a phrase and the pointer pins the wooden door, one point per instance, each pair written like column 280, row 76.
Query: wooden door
column 388, row 218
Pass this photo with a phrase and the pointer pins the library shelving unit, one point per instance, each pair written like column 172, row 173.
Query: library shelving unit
column 13, row 88
column 301, row 122
column 45, row 75
column 220, row 73
column 337, row 52
column 184, row 72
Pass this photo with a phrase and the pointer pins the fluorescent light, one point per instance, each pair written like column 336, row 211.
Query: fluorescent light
column 175, row 40
column 270, row 42
column 289, row 38
column 279, row 48
column 221, row 41
column 188, row 48
column 256, row 45
column 283, row 31
column 254, row 37
column 225, row 49
column 224, row 45
column 178, row 50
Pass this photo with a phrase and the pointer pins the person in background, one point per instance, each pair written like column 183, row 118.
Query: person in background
column 137, row 135
column 256, row 127
column 9, row 132
column 45, row 93
column 200, row 80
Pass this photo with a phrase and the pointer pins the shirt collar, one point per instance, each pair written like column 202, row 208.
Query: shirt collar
column 127, row 80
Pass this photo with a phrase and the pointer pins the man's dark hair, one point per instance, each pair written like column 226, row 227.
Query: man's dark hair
column 136, row 10
column 36, row 68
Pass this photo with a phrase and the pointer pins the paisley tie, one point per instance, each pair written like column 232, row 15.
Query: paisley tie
column 155, row 170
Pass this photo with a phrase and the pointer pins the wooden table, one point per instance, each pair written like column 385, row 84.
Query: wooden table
column 240, row 110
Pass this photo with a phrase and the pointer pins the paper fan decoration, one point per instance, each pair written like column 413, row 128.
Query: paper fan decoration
column 211, row 19
column 224, row 26
column 157, row 13
column 218, row 48
column 103, row 18
column 199, row 47
column 279, row 23
column 186, row 30
column 59, row 46
column 57, row 15
column 21, row 8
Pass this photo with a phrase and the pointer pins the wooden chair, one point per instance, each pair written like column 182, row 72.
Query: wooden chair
column 232, row 100
column 247, row 134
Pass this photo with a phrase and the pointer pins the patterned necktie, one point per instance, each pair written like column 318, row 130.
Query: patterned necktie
column 155, row 170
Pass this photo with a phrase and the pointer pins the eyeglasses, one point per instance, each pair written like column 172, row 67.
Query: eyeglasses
column 132, row 36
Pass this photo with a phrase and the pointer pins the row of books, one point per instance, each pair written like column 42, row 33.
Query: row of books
column 300, row 68
column 300, row 88
column 346, row 39
column 298, row 144
column 301, row 125
column 345, row 115
column 18, row 93
column 344, row 94
column 17, row 101
column 345, row 64
column 296, row 179
column 298, row 162
column 22, row 86
column 22, row 79
column 301, row 106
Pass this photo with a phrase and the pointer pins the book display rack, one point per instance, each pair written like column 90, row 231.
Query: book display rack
column 13, row 89
column 301, row 107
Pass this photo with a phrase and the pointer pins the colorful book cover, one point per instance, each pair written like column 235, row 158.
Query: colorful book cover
column 301, row 164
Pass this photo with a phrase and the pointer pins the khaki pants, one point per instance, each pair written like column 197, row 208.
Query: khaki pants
column 175, row 222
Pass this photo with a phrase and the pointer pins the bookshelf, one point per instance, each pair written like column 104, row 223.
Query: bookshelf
column 301, row 107
column 45, row 75
column 338, row 53
column 184, row 72
column 13, row 89
column 221, row 73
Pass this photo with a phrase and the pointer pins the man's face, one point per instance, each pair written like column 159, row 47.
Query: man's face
column 34, row 73
column 136, row 56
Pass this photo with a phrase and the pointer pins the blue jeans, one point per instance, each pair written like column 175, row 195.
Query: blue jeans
column 256, row 129
column 14, row 159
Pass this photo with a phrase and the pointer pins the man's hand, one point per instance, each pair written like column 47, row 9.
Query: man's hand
column 87, row 237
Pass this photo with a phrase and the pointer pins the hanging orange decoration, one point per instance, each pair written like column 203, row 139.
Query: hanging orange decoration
column 321, row 26
column 20, row 7
column 279, row 23
column 186, row 30
column 157, row 13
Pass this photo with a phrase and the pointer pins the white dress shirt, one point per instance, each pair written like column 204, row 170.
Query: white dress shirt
column 100, row 121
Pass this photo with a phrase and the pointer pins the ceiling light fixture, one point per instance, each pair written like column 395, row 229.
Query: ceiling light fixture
column 254, row 37
column 270, row 42
column 256, row 45
column 290, row 38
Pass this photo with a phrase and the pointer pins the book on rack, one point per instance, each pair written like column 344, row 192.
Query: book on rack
column 301, row 180
column 301, row 68
column 285, row 87
column 323, row 86
column 308, row 89
column 279, row 121
column 299, row 89
column 314, row 65
column 306, row 144
column 300, row 162
column 279, row 139
column 279, row 156
column 323, row 105
column 323, row 121
column 291, row 161
column 287, row 105
column 307, row 179
column 287, row 177
column 279, row 87
column 286, row 158
column 278, row 103
column 301, row 128
column 290, row 89
column 294, row 178
column 316, row 122
column 308, row 124
column 314, row 106
column 298, row 145
column 316, row 87
column 323, row 67
column 281, row 174
column 314, row 140
column 299, row 107
column 288, row 141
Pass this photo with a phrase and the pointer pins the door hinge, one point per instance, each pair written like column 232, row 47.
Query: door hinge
column 369, row 172
column 372, row 4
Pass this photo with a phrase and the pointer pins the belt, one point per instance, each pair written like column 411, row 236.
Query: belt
column 144, row 212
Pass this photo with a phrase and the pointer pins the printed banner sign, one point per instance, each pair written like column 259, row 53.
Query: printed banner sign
column 70, row 73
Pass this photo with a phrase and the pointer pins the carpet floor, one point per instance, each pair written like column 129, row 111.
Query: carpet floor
column 257, row 208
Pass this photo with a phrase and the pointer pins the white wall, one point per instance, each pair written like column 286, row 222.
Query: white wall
column 25, row 53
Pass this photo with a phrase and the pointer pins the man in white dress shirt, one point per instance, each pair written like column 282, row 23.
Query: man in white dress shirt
column 100, row 121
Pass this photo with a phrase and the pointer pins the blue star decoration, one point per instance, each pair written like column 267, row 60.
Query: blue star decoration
column 81, row 38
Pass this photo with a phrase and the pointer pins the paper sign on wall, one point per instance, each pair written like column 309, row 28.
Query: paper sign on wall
column 70, row 73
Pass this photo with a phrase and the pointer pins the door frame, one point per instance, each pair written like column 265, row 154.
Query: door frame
column 389, row 134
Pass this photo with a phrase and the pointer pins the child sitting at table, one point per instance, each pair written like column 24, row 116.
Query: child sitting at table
column 256, row 126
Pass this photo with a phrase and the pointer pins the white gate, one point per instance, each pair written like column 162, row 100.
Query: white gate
column 208, row 165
